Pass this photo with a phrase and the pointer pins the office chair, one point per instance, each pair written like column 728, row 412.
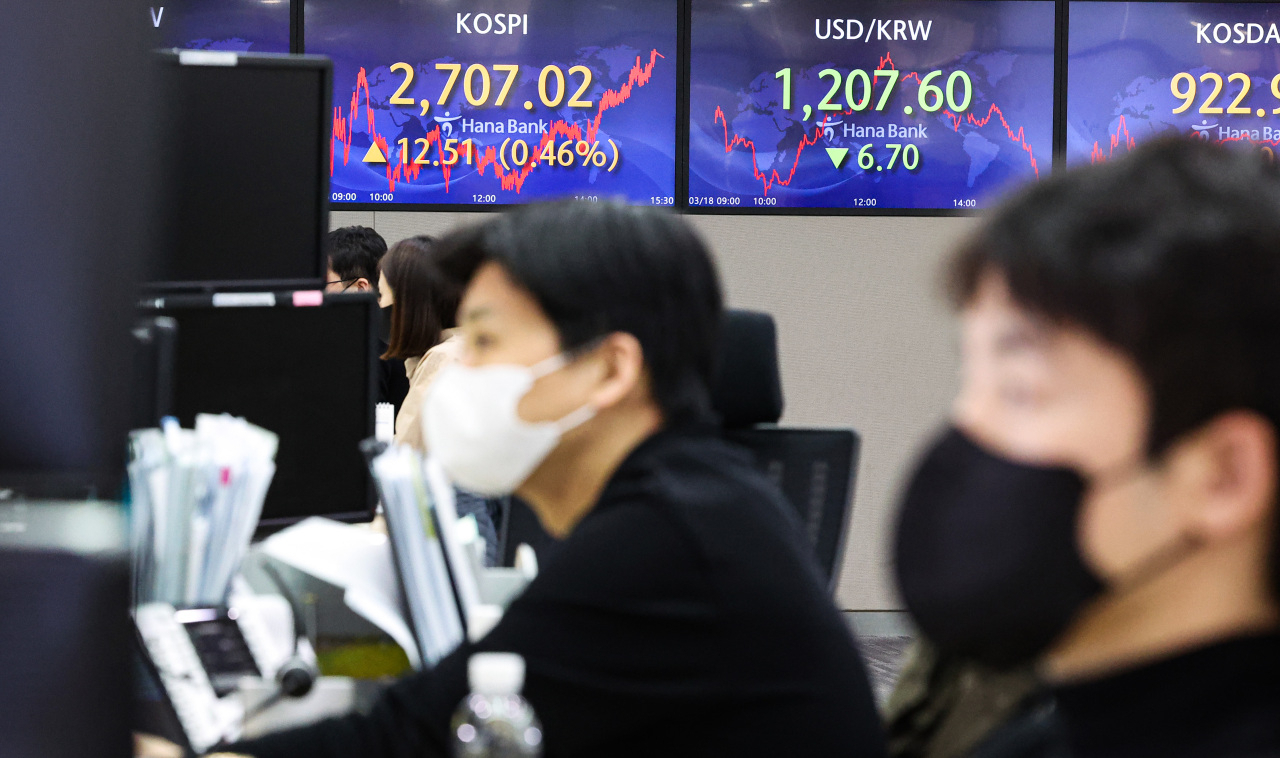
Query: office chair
column 816, row 469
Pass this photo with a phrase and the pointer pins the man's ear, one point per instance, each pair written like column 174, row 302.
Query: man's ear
column 362, row 285
column 622, row 369
column 1233, row 470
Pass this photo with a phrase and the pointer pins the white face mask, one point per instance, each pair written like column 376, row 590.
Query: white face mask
column 473, row 428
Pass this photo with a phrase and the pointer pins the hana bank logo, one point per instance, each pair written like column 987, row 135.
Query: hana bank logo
column 1202, row 129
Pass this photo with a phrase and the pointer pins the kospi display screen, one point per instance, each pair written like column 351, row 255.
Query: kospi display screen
column 508, row 101
column 257, row 26
column 879, row 104
column 1138, row 70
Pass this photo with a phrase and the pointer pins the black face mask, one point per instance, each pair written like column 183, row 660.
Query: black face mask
column 986, row 553
column 384, row 326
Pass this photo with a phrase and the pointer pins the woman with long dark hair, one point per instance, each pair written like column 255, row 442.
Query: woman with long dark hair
column 423, row 304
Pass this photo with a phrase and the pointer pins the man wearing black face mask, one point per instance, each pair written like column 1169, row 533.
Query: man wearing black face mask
column 1105, row 504
column 352, row 254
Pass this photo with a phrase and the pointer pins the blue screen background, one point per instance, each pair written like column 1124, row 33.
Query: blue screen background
column 615, row 41
column 1121, row 61
column 258, row 26
column 1004, row 138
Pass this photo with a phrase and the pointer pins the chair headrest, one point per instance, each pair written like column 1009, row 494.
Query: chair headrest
column 746, row 388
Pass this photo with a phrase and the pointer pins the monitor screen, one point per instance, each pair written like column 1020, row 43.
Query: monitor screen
column 259, row 26
column 308, row 374
column 246, row 167
column 510, row 102
column 868, row 105
column 1138, row 70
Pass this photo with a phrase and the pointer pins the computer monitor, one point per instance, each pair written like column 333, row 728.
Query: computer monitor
column 77, row 191
column 64, row 630
column 247, row 159
column 308, row 373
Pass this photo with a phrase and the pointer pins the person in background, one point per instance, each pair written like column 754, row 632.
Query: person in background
column 353, row 254
column 1105, row 503
column 424, row 303
column 684, row 614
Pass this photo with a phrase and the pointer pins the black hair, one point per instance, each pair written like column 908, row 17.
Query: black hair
column 354, row 251
column 1171, row 255
column 599, row 268
column 425, row 298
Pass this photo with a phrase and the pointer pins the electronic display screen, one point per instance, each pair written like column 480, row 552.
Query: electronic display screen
column 308, row 374
column 221, row 647
column 258, row 26
column 507, row 102
column 877, row 104
column 1138, row 70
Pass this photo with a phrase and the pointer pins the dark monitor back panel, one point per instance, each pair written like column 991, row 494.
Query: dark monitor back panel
column 64, row 645
column 247, row 161
column 307, row 374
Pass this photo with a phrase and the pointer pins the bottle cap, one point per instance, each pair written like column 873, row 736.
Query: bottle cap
column 496, row 673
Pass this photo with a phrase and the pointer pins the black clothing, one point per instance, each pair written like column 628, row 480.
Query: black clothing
column 520, row 526
column 393, row 382
column 1220, row 701
column 683, row 616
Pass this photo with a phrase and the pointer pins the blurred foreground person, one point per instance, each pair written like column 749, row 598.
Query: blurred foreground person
column 684, row 614
column 1105, row 502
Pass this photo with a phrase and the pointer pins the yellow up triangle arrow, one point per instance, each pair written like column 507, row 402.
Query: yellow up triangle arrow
column 375, row 155
column 837, row 155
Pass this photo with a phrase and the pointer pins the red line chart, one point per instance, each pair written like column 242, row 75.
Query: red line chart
column 513, row 179
column 773, row 177
column 1121, row 138
column 1118, row 138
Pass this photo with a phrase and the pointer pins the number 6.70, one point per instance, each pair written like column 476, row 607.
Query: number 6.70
column 910, row 156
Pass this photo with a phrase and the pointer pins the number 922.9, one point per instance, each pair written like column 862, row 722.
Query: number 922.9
column 1184, row 86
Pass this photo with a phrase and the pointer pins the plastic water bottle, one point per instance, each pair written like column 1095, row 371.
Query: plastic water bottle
column 494, row 721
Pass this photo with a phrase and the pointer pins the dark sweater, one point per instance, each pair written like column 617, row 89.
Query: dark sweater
column 683, row 616
column 1220, row 701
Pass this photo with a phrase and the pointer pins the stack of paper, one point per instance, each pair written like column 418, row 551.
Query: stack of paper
column 355, row 559
column 437, row 581
column 197, row 495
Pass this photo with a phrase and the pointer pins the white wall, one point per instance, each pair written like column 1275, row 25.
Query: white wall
column 865, row 338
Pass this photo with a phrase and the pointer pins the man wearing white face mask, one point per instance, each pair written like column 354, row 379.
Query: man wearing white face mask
column 683, row 613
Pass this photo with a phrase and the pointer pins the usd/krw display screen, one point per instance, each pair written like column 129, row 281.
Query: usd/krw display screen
column 870, row 104
column 508, row 101
column 1138, row 70
column 258, row 26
